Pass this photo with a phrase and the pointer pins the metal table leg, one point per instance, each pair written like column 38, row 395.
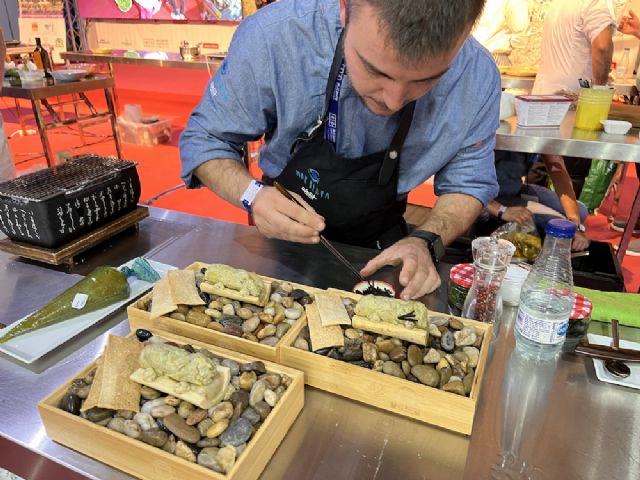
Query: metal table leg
column 42, row 130
column 631, row 224
column 116, row 138
column 114, row 92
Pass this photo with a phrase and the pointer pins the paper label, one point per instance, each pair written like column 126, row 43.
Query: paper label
column 79, row 301
column 548, row 332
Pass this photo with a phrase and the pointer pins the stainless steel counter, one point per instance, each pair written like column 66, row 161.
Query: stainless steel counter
column 558, row 419
column 118, row 56
column 567, row 140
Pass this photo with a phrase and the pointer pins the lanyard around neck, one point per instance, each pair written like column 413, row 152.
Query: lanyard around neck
column 331, row 125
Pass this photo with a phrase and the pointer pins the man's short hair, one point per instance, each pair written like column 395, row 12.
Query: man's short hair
column 422, row 29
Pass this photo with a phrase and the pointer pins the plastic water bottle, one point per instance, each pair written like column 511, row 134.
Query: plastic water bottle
column 546, row 299
column 623, row 68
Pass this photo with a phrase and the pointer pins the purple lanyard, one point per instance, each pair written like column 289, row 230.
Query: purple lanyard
column 331, row 127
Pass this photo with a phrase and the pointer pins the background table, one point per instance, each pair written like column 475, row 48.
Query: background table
column 557, row 418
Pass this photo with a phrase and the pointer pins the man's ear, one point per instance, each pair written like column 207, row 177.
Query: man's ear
column 343, row 12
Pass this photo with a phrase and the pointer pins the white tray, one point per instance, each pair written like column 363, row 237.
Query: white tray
column 633, row 380
column 31, row 346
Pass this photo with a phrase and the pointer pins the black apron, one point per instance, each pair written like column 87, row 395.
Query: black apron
column 357, row 196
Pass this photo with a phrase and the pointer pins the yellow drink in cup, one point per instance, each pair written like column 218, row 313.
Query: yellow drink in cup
column 593, row 106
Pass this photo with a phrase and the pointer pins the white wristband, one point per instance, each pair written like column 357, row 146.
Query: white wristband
column 250, row 193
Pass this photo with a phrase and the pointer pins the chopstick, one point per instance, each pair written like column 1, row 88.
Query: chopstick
column 323, row 240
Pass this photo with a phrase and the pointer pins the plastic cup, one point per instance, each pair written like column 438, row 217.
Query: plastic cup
column 593, row 106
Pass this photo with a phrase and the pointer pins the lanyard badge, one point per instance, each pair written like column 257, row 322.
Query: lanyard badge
column 331, row 127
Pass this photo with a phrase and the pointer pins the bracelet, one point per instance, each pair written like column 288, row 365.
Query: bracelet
column 501, row 211
column 250, row 193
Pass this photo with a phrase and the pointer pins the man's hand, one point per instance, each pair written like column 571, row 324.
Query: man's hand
column 580, row 242
column 630, row 25
column 276, row 216
column 521, row 215
column 418, row 275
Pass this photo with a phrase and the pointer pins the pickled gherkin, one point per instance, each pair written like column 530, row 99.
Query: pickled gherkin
column 102, row 287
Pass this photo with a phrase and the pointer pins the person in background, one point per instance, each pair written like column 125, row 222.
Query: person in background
column 7, row 168
column 630, row 25
column 178, row 12
column 354, row 100
column 500, row 23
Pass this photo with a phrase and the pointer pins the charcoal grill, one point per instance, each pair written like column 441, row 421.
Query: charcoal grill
column 54, row 206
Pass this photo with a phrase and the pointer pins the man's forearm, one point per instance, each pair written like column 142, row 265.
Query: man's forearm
column 601, row 55
column 563, row 186
column 227, row 178
column 452, row 215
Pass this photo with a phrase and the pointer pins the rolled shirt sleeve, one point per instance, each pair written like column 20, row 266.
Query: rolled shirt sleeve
column 597, row 15
column 237, row 105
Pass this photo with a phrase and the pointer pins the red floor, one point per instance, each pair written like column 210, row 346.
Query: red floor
column 159, row 167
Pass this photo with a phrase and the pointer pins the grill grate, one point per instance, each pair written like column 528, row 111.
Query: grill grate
column 81, row 170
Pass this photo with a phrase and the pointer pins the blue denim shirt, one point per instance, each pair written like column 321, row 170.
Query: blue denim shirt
column 273, row 83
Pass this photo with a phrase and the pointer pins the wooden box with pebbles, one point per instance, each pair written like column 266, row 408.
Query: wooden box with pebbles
column 224, row 306
column 164, row 406
column 393, row 355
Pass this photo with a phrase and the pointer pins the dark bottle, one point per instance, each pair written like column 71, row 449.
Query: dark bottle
column 41, row 58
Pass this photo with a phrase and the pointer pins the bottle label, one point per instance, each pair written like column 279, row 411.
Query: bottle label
column 79, row 301
column 547, row 332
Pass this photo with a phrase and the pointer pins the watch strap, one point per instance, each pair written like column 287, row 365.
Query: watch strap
column 250, row 193
column 433, row 241
column 501, row 210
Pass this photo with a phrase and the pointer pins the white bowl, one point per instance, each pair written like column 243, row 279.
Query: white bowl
column 616, row 127
column 69, row 75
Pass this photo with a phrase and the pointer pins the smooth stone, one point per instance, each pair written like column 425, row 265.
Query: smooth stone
column 369, row 352
column 253, row 366
column 151, row 404
column 352, row 333
column 162, row 411
column 207, row 458
column 445, row 376
column 352, row 353
column 301, row 343
column 406, row 367
column 116, row 424
column 176, row 425
column 145, row 420
column 396, row 341
column 250, row 325
column 465, row 337
column 227, row 320
column 215, row 326
column 467, row 382
column 126, row 414
column 447, row 341
column 377, row 365
column 203, row 426
column 241, row 397
column 251, row 337
column 98, row 414
column 131, row 429
column 383, row 356
column 414, row 355
column 239, row 431
column 83, row 392
column 171, row 400
column 181, row 317
column 149, row 393
column 273, row 380
column 263, row 409
column 222, row 411
column 252, row 415
column 473, row 354
column 267, row 331
column 432, row 356
column 170, row 446
column 208, row 442
column 438, row 321
column 442, row 363
column 154, row 437
column 292, row 313
column 228, row 309
column 231, row 365
column 240, row 448
column 199, row 319
column 385, row 346
column 217, row 428
column 226, row 458
column 271, row 398
column 197, row 416
column 235, row 330
column 287, row 302
column 455, row 323
column 247, row 379
column 244, row 313
column 426, row 374
column 71, row 403
column 184, row 451
column 257, row 393
column 270, row 341
column 392, row 368
column 281, row 329
column 185, row 409
column 143, row 335
column 454, row 387
column 434, row 331
column 398, row 354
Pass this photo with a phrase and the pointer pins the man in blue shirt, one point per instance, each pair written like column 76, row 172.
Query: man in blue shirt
column 360, row 101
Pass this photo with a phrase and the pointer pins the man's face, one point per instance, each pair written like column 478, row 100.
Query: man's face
column 384, row 83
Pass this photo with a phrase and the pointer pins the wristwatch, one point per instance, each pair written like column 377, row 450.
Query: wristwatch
column 250, row 193
column 501, row 211
column 433, row 241
column 581, row 228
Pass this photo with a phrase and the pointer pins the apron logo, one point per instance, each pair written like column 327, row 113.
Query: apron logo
column 311, row 184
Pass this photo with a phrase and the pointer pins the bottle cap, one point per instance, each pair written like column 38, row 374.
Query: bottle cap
column 560, row 228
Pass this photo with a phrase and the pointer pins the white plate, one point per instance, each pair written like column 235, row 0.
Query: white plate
column 633, row 380
column 31, row 346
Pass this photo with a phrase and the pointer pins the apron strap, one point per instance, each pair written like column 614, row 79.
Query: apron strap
column 392, row 155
